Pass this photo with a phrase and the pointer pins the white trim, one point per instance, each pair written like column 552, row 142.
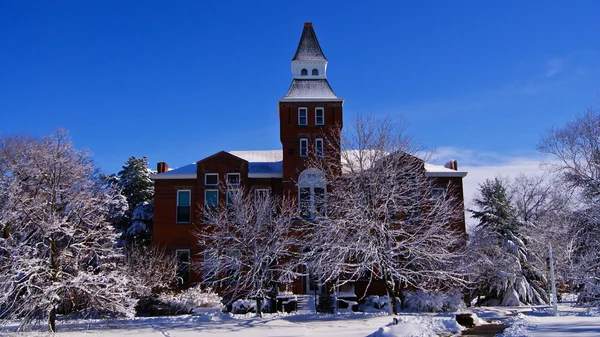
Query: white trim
column 305, row 141
column 190, row 206
column 232, row 174
column 446, row 174
column 265, row 175
column 211, row 174
column 305, row 109
column 317, row 141
column 316, row 116
column 311, row 100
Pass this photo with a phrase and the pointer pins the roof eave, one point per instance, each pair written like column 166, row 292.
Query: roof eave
column 446, row 174
column 172, row 176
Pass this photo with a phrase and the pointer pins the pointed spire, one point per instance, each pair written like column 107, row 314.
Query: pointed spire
column 309, row 48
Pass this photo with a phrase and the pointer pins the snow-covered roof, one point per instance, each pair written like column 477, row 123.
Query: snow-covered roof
column 441, row 171
column 269, row 164
column 308, row 47
column 310, row 89
column 259, row 155
column 184, row 172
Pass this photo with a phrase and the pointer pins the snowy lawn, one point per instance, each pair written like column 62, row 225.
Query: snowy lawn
column 275, row 325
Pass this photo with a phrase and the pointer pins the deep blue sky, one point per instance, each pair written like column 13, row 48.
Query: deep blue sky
column 177, row 81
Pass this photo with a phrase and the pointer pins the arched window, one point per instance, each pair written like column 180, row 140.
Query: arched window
column 315, row 72
column 304, row 72
column 311, row 194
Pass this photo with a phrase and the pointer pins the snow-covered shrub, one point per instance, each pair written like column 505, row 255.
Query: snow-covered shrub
column 433, row 301
column 181, row 303
column 247, row 306
column 374, row 303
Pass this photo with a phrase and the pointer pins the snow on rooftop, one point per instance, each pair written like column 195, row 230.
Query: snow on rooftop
column 265, row 156
column 308, row 47
column 187, row 169
column 310, row 88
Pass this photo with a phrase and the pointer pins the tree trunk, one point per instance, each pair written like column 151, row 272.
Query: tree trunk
column 259, row 301
column 52, row 320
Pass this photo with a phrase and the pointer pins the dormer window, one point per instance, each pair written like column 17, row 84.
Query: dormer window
column 315, row 72
column 304, row 72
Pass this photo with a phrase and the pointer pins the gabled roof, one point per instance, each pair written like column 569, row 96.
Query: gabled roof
column 310, row 89
column 309, row 48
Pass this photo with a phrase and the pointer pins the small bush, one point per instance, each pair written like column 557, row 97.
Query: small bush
column 433, row 301
column 180, row 303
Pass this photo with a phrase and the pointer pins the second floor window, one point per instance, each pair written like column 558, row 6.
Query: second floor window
column 319, row 116
column 183, row 206
column 303, row 147
column 211, row 179
column 211, row 202
column 233, row 179
column 302, row 116
column 319, row 147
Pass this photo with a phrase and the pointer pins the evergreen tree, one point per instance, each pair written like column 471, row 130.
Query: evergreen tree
column 502, row 269
column 137, row 187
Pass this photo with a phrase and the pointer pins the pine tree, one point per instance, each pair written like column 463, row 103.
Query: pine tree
column 502, row 269
column 137, row 187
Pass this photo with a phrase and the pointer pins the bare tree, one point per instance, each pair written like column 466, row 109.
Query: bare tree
column 151, row 270
column 575, row 151
column 249, row 245
column 382, row 221
column 57, row 253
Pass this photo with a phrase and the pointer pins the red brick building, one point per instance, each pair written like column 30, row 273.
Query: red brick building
column 309, row 113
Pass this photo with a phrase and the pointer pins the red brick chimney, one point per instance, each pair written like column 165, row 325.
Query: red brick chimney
column 162, row 167
column 451, row 164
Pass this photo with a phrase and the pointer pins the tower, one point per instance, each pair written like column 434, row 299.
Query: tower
column 309, row 114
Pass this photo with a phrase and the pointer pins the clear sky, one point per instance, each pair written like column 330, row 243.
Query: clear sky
column 177, row 81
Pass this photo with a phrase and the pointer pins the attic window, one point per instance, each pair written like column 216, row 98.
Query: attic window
column 304, row 72
column 315, row 72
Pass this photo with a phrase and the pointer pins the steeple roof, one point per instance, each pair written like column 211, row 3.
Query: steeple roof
column 309, row 48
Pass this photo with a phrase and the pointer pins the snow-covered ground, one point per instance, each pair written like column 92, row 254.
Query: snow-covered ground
column 524, row 321
column 217, row 324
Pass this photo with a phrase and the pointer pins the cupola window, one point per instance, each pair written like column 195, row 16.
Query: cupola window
column 315, row 72
column 304, row 72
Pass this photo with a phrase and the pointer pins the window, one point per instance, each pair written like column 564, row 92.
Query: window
column 232, row 195
column 303, row 147
column 439, row 193
column 233, row 179
column 183, row 206
column 304, row 72
column 211, row 179
column 210, row 265
column 261, row 194
column 183, row 265
column 302, row 116
column 315, row 72
column 211, row 202
column 311, row 194
column 319, row 147
column 319, row 116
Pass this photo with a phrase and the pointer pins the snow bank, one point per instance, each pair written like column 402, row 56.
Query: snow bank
column 520, row 325
column 409, row 326
column 192, row 298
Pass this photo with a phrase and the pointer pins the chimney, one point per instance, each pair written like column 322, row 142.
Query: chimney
column 451, row 164
column 162, row 167
column 308, row 24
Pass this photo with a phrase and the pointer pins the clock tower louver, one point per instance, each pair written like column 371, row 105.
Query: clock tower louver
column 310, row 114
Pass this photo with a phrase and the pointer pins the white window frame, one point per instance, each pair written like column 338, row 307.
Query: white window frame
column 322, row 111
column 319, row 147
column 233, row 174
column 439, row 192
column 189, row 205
column 206, row 178
column 205, row 204
column 305, row 111
column 258, row 190
column 208, row 252
column 311, row 179
column 305, row 147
